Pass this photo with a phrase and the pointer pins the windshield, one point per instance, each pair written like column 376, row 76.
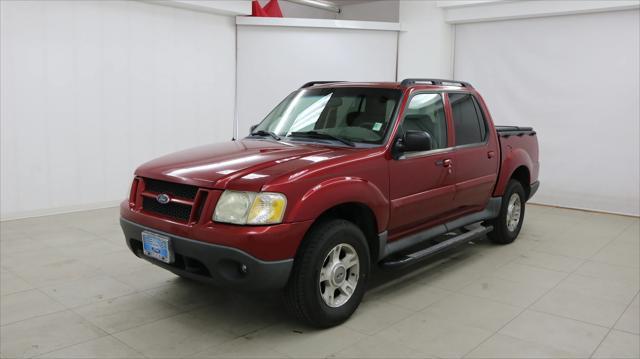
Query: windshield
column 349, row 113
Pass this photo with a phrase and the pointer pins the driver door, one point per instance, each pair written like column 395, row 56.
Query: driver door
column 422, row 185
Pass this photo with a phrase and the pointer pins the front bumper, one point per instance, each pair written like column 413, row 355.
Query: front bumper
column 211, row 263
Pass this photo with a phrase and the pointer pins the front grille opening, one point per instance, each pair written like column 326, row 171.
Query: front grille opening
column 171, row 209
column 203, row 200
column 173, row 189
column 185, row 263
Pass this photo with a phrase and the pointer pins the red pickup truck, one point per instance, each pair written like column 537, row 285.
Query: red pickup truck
column 339, row 177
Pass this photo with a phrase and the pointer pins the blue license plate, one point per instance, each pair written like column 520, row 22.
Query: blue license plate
column 157, row 246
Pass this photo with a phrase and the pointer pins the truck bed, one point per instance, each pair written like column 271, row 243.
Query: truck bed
column 506, row 131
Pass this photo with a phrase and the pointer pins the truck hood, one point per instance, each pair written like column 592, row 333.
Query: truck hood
column 218, row 165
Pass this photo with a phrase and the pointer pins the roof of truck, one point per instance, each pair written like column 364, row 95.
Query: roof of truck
column 406, row 83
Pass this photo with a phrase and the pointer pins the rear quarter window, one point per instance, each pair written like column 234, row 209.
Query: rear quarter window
column 468, row 120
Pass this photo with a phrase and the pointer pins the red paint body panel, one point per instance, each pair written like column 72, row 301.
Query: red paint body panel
column 405, row 195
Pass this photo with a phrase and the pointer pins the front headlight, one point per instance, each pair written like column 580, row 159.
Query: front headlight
column 250, row 207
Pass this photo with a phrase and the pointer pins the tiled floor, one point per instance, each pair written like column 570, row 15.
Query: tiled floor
column 568, row 287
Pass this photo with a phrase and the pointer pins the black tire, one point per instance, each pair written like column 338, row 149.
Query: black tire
column 303, row 296
column 501, row 233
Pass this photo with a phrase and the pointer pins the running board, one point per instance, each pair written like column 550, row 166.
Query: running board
column 438, row 248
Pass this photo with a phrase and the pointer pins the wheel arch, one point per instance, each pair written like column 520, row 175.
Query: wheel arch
column 523, row 175
column 357, row 213
column 517, row 164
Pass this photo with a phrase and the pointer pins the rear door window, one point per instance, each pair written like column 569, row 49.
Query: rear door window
column 468, row 121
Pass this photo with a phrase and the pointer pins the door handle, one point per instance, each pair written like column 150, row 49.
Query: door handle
column 491, row 154
column 447, row 163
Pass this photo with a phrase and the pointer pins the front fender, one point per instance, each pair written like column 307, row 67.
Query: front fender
column 340, row 190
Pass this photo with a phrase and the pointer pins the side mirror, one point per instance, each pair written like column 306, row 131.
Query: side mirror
column 252, row 128
column 416, row 141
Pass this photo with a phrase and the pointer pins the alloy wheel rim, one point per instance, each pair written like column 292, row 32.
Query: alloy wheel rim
column 339, row 275
column 514, row 209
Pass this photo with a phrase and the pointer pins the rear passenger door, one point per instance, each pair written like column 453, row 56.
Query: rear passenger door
column 475, row 157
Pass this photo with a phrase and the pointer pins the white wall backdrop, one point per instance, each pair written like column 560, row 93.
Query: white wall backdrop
column 426, row 41
column 90, row 89
column 576, row 80
column 274, row 61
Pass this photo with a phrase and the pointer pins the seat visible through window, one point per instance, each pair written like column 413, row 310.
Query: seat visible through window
column 426, row 113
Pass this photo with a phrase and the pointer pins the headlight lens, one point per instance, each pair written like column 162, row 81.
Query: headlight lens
column 250, row 207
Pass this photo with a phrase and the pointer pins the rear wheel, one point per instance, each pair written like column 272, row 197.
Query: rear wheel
column 329, row 274
column 507, row 225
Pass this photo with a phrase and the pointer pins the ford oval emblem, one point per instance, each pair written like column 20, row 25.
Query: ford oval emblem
column 163, row 198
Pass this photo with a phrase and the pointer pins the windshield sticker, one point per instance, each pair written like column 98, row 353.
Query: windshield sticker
column 377, row 126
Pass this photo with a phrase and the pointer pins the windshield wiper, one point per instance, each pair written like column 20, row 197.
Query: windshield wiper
column 266, row 133
column 316, row 134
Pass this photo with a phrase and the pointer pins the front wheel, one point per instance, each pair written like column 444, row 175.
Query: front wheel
column 329, row 274
column 507, row 225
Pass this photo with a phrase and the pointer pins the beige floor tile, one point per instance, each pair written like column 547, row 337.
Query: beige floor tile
column 529, row 274
column 36, row 225
column 376, row 347
column 16, row 245
column 64, row 237
column 572, row 247
column 609, row 271
column 240, row 314
column 106, row 347
column 631, row 233
column 90, row 250
column 548, row 224
column 630, row 320
column 473, row 311
column 242, row 347
column 619, row 253
column 27, row 304
column 373, row 316
column 113, row 235
column 412, row 295
column 621, row 291
column 173, row 337
column 462, row 269
column 39, row 256
column 454, row 278
column 549, row 261
column 496, row 283
column 505, row 291
column 435, row 336
column 506, row 347
column 126, row 312
column 599, row 226
column 307, row 343
column 59, row 270
column 619, row 345
column 186, row 294
column 147, row 277
column 117, row 263
column 571, row 304
column 11, row 283
column 44, row 334
column 10, row 231
column 87, row 290
column 569, row 335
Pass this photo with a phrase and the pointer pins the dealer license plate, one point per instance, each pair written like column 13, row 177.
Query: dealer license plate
column 157, row 246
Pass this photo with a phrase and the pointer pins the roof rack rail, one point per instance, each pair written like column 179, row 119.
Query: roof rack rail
column 313, row 83
column 408, row 82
